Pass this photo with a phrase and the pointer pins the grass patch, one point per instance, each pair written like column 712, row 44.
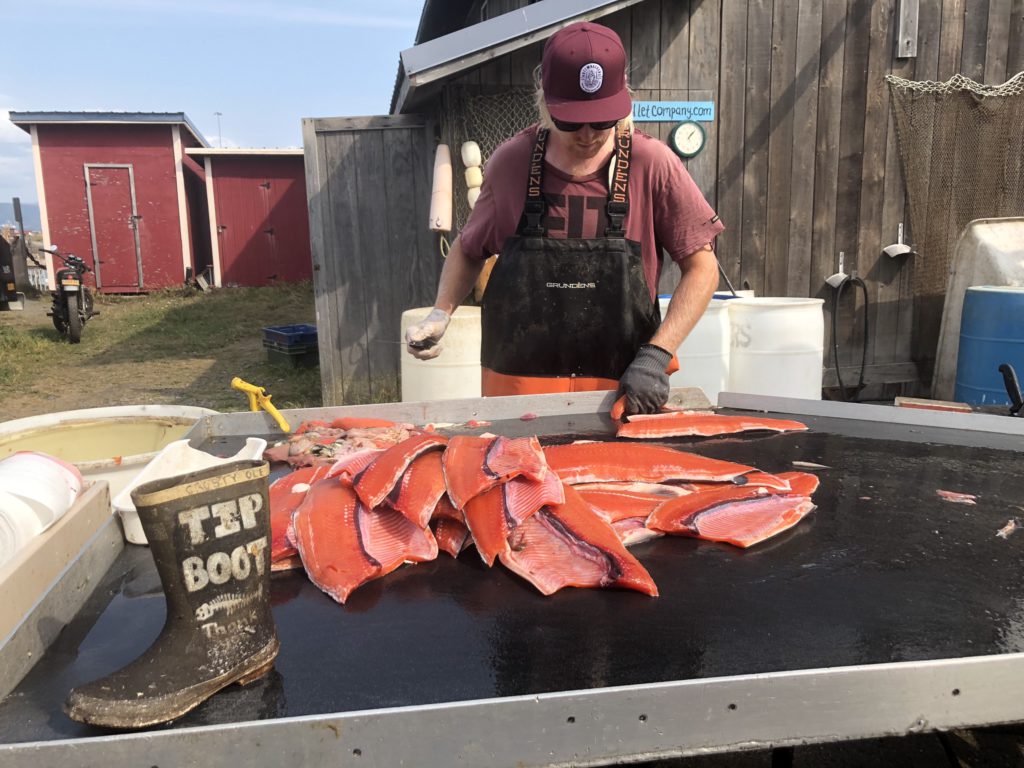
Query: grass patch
column 173, row 346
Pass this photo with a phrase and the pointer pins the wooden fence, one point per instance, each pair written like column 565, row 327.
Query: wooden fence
column 368, row 185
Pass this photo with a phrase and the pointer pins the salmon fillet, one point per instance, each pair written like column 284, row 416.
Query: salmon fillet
column 568, row 545
column 375, row 482
column 608, row 462
column 654, row 426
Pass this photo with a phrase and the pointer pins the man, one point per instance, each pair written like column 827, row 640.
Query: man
column 571, row 303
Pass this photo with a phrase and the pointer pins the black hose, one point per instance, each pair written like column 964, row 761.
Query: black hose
column 835, row 338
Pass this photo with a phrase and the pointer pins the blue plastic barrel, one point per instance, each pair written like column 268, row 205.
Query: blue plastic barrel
column 991, row 333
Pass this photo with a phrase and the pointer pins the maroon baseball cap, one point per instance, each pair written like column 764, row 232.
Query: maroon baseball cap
column 583, row 73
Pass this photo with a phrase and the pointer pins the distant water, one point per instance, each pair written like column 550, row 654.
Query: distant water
column 29, row 212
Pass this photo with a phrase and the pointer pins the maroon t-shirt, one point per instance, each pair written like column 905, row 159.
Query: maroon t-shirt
column 666, row 210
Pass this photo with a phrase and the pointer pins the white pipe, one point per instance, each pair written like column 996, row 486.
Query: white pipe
column 441, row 192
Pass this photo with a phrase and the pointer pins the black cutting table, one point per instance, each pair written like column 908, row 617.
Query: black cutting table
column 888, row 610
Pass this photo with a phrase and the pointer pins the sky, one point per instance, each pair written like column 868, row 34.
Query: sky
column 263, row 64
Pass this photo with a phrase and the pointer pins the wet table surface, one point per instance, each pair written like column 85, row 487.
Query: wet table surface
column 883, row 571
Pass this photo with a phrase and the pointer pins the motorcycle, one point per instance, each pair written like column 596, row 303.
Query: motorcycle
column 72, row 302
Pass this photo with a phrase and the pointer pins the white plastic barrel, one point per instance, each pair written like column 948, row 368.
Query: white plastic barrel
column 704, row 355
column 777, row 346
column 455, row 372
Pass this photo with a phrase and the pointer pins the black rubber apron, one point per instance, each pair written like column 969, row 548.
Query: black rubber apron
column 568, row 307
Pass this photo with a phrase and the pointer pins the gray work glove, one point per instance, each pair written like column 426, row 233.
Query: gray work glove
column 645, row 383
column 421, row 339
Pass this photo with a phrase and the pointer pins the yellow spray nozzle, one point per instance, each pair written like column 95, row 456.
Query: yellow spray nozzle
column 258, row 398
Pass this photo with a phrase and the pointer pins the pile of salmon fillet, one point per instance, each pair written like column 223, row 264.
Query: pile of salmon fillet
column 558, row 516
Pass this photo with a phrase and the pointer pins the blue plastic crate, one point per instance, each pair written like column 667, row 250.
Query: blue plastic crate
column 290, row 335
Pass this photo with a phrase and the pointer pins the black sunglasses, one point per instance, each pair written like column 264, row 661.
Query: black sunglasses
column 571, row 127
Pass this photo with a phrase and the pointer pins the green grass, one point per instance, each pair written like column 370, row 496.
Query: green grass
column 174, row 346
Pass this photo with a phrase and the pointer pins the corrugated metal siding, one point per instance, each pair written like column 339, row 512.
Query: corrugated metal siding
column 64, row 151
column 262, row 219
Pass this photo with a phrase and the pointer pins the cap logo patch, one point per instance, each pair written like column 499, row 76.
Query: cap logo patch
column 591, row 77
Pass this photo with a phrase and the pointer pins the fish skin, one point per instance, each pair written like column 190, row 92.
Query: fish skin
column 620, row 505
column 763, row 518
column 391, row 539
column 495, row 514
column 472, row 465
column 375, row 482
column 655, row 426
column 421, row 487
column 284, row 496
column 676, row 516
column 610, row 462
column 350, row 465
column 452, row 536
column 585, row 548
column 327, row 535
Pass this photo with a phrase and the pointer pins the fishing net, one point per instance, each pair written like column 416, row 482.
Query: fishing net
column 488, row 118
column 961, row 145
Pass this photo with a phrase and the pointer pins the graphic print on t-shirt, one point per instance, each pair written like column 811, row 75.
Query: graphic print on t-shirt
column 583, row 216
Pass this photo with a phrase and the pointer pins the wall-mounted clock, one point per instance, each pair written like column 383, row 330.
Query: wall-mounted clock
column 687, row 139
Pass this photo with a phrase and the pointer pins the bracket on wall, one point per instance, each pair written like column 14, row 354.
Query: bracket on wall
column 906, row 32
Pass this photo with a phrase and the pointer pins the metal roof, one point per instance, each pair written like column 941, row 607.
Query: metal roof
column 26, row 119
column 437, row 59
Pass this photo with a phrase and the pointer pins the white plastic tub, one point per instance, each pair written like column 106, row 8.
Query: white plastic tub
column 455, row 373
column 110, row 444
column 777, row 346
column 704, row 355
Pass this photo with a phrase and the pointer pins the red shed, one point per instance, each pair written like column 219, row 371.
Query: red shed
column 112, row 190
column 257, row 208
column 149, row 204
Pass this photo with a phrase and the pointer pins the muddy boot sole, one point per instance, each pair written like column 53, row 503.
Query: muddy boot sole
column 144, row 712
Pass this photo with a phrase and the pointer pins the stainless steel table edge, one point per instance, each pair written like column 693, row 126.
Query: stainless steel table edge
column 592, row 727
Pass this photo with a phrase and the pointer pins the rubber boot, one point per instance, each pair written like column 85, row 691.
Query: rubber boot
column 209, row 533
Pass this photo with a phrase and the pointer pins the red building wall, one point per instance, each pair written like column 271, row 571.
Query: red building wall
column 262, row 219
column 64, row 151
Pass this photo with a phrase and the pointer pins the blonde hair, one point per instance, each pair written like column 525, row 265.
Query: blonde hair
column 544, row 116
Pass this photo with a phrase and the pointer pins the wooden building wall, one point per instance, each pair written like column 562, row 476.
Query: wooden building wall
column 801, row 164
column 801, row 160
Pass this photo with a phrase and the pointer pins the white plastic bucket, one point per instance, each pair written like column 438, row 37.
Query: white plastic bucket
column 48, row 485
column 704, row 354
column 455, row 372
column 19, row 522
column 777, row 346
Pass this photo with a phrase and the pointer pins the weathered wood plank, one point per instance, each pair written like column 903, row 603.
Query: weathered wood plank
column 997, row 45
column 757, row 131
column 824, row 256
column 730, row 117
column 951, row 38
column 780, row 147
column 645, row 48
column 324, row 273
column 378, row 122
column 972, row 55
column 805, row 126
column 675, row 44
column 523, row 62
column 882, row 42
column 1015, row 47
column 705, row 55
column 402, row 267
column 343, row 238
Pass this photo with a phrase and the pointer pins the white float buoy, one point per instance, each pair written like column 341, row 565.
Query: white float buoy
column 471, row 154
